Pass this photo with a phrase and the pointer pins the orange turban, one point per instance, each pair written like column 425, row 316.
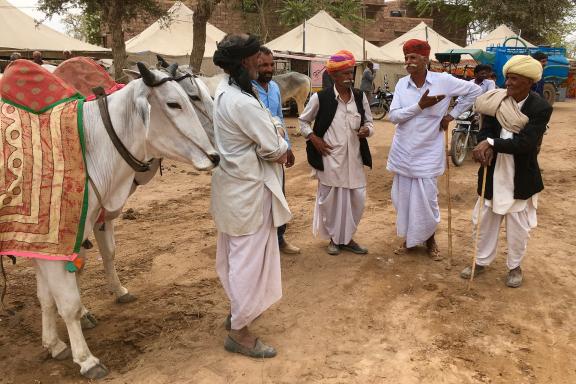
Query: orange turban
column 419, row 47
column 340, row 61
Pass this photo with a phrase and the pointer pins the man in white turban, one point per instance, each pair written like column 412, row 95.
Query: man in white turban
column 513, row 121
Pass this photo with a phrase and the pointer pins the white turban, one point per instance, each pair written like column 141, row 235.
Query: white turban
column 524, row 66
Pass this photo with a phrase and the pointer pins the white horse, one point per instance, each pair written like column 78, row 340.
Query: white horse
column 203, row 105
column 153, row 118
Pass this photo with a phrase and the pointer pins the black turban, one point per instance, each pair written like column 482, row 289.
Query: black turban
column 231, row 55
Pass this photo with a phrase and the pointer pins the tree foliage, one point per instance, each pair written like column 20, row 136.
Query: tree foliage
column 83, row 26
column 113, row 14
column 294, row 12
column 540, row 21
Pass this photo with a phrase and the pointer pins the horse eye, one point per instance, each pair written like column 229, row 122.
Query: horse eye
column 195, row 97
column 174, row 106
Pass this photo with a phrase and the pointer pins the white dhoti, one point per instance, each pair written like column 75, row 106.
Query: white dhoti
column 417, row 210
column 337, row 212
column 249, row 269
column 518, row 226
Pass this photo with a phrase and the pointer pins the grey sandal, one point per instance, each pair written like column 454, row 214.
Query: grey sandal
column 259, row 350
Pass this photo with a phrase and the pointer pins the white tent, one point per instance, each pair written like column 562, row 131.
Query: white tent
column 422, row 31
column 18, row 31
column 497, row 37
column 173, row 41
column 323, row 35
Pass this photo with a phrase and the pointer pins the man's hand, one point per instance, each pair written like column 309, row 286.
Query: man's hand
column 483, row 153
column 428, row 101
column 320, row 145
column 445, row 121
column 363, row 132
column 282, row 159
column 290, row 159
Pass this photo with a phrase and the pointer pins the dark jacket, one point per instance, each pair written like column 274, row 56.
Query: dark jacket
column 527, row 177
column 324, row 117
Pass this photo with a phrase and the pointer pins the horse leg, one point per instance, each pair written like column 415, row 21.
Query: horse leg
column 64, row 290
column 50, row 339
column 87, row 320
column 107, row 247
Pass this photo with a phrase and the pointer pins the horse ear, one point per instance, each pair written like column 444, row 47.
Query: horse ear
column 147, row 76
column 163, row 63
column 172, row 69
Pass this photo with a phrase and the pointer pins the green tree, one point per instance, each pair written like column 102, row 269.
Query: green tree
column 83, row 26
column 540, row 21
column 261, row 7
column 294, row 12
column 113, row 14
column 202, row 12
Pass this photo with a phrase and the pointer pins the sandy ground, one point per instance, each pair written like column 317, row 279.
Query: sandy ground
column 380, row 318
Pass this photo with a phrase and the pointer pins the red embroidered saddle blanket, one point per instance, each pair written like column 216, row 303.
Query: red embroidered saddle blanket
column 84, row 74
column 43, row 191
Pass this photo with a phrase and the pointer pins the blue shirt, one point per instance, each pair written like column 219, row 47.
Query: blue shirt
column 273, row 101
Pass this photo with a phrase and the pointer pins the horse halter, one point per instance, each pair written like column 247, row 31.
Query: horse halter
column 133, row 162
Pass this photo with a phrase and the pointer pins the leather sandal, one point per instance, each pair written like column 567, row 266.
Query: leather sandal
column 259, row 350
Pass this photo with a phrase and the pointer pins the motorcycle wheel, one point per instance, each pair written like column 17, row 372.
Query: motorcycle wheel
column 458, row 148
column 379, row 111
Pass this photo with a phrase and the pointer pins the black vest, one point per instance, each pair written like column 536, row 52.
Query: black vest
column 324, row 117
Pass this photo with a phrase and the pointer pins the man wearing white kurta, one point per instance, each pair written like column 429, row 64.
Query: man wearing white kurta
column 247, row 200
column 513, row 121
column 416, row 156
column 338, row 150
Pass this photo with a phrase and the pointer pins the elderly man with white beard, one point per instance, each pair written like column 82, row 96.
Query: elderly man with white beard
column 416, row 156
column 247, row 200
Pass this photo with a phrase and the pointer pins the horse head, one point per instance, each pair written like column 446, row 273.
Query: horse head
column 173, row 128
column 197, row 92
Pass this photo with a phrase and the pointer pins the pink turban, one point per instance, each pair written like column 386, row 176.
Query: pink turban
column 340, row 61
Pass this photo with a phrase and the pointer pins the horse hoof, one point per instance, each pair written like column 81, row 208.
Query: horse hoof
column 64, row 355
column 96, row 372
column 88, row 321
column 126, row 298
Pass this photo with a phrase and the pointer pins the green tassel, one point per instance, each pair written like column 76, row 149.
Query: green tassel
column 70, row 267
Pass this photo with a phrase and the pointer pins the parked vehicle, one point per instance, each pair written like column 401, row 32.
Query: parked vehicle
column 464, row 136
column 380, row 104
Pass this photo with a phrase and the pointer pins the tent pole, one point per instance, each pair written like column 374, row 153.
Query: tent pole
column 304, row 37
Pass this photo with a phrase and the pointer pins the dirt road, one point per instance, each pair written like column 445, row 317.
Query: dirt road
column 380, row 318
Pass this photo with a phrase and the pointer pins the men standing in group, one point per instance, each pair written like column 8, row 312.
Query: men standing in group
column 247, row 200
column 416, row 156
column 514, row 120
column 337, row 148
column 367, row 84
column 269, row 94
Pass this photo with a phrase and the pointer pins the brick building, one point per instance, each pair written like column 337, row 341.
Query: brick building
column 385, row 21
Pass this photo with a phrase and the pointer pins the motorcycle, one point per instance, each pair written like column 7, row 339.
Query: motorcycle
column 380, row 104
column 464, row 136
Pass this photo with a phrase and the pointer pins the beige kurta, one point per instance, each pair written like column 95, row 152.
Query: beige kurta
column 248, row 144
column 341, row 194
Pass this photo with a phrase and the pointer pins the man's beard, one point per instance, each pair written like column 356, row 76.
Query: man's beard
column 264, row 77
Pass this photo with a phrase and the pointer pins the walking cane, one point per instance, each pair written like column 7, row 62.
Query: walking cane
column 449, row 196
column 485, row 171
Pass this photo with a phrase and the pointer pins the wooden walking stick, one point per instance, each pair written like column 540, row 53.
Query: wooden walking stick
column 449, row 195
column 485, row 172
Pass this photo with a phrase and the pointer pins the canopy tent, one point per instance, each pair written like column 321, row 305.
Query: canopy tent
column 173, row 41
column 478, row 55
column 20, row 32
column 323, row 35
column 422, row 31
column 498, row 37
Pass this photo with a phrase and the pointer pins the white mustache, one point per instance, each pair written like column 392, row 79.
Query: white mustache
column 349, row 82
column 410, row 66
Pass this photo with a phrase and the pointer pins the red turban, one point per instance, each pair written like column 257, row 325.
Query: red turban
column 340, row 61
column 420, row 47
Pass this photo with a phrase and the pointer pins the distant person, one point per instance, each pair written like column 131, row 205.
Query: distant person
column 538, row 86
column 67, row 54
column 367, row 84
column 37, row 57
column 15, row 56
column 481, row 78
